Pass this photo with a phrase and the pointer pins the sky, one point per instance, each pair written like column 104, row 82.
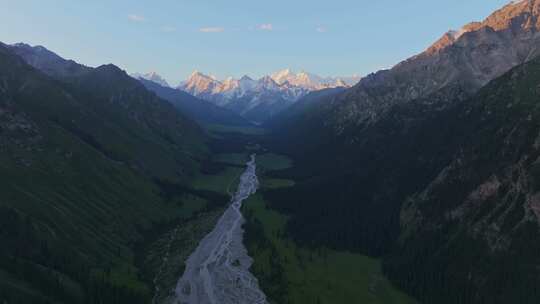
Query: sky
column 237, row 37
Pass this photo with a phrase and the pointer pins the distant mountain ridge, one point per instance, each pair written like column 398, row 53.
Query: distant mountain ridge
column 261, row 99
column 152, row 76
column 311, row 81
column 200, row 110
column 202, row 84
column 196, row 109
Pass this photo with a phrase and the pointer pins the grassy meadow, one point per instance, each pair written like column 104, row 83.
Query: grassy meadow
column 289, row 273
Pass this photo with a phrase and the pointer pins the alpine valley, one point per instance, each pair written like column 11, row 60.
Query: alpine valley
column 415, row 184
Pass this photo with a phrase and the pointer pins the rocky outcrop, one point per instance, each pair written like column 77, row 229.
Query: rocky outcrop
column 472, row 56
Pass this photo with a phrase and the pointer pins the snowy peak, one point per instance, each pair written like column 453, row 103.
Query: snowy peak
column 199, row 83
column 246, row 83
column 197, row 77
column 311, row 81
column 267, row 83
column 152, row 76
column 281, row 76
column 284, row 77
column 230, row 84
column 291, row 85
column 246, row 78
column 247, row 95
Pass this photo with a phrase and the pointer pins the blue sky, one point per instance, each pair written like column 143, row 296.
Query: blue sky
column 237, row 37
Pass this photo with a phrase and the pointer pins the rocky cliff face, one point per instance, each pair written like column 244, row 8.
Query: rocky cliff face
column 475, row 227
column 48, row 62
column 478, row 53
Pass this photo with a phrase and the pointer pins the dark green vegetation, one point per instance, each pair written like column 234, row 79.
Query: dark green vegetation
column 302, row 110
column 443, row 187
column 164, row 258
column 95, row 171
column 483, row 207
column 289, row 273
column 355, row 182
column 235, row 129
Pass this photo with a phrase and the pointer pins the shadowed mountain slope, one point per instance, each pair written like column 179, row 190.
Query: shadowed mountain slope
column 78, row 160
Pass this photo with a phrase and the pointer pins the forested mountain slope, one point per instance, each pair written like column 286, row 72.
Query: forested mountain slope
column 301, row 110
column 363, row 153
column 475, row 227
column 356, row 147
column 444, row 190
column 78, row 161
column 127, row 121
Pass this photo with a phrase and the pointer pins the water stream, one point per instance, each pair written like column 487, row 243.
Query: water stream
column 217, row 272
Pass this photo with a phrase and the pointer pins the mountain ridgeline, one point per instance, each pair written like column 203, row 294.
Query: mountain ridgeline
column 431, row 164
column 202, row 111
column 84, row 157
column 263, row 99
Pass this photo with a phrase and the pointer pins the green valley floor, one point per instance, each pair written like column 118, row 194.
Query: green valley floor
column 289, row 273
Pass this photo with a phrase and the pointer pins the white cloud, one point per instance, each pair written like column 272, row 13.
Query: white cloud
column 266, row 27
column 136, row 18
column 168, row 29
column 212, row 29
column 321, row 29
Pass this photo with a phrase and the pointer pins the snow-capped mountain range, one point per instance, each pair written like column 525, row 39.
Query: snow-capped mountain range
column 260, row 99
column 152, row 76
column 293, row 85
column 255, row 100
column 311, row 81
